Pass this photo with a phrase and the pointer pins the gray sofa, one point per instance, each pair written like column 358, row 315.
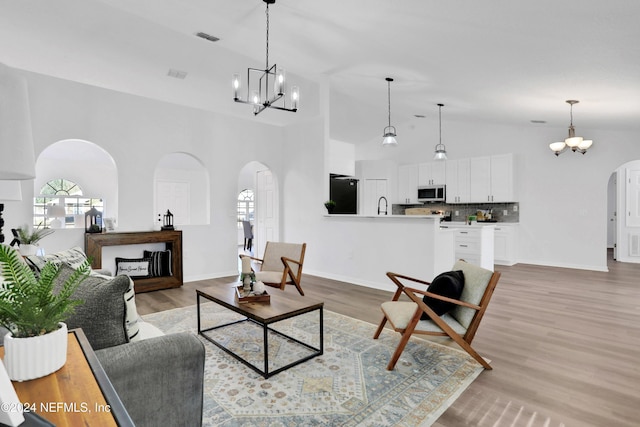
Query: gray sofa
column 159, row 378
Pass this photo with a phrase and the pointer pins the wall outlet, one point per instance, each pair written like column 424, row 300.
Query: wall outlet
column 515, row 208
column 457, row 213
column 505, row 212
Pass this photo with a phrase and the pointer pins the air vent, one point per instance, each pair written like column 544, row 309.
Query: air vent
column 177, row 74
column 207, row 37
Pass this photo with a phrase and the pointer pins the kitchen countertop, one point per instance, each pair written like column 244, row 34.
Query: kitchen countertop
column 433, row 217
column 462, row 224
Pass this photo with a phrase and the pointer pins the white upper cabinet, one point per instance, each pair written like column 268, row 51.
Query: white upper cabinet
column 502, row 178
column 492, row 179
column 480, row 171
column 457, row 178
column 408, row 184
column 432, row 173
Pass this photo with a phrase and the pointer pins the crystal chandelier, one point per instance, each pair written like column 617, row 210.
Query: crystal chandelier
column 268, row 86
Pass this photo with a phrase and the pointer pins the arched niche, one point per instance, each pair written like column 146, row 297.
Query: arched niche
column 85, row 163
column 181, row 185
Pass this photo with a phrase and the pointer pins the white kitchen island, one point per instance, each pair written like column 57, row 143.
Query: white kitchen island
column 365, row 248
column 474, row 243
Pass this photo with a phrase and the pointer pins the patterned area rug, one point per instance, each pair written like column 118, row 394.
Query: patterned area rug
column 346, row 386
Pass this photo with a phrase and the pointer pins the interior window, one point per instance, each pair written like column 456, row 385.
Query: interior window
column 61, row 204
column 245, row 207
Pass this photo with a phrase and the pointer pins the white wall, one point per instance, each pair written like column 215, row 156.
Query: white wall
column 137, row 132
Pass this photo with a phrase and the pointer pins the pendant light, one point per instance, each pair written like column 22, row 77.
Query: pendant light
column 389, row 133
column 441, row 151
column 576, row 143
column 272, row 77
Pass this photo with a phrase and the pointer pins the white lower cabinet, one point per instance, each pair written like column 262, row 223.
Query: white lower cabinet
column 475, row 245
column 506, row 244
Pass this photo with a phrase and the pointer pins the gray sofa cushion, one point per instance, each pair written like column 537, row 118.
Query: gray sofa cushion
column 159, row 380
column 102, row 316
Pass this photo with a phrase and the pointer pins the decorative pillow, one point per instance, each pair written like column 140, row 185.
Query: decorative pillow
column 160, row 263
column 74, row 257
column 138, row 267
column 448, row 284
column 102, row 315
column 132, row 317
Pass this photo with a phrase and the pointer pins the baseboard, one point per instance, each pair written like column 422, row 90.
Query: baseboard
column 195, row 278
column 565, row 265
column 369, row 284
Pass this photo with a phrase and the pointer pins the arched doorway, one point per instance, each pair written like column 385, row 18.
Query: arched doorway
column 258, row 178
column 627, row 193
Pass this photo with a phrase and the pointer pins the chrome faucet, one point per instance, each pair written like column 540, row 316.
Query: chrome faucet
column 386, row 205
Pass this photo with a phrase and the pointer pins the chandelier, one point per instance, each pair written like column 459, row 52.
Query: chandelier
column 576, row 143
column 441, row 151
column 268, row 86
column 389, row 133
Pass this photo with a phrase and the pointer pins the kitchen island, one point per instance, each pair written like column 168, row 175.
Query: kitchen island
column 474, row 243
column 366, row 247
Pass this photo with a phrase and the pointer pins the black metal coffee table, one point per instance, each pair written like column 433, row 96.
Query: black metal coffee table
column 280, row 307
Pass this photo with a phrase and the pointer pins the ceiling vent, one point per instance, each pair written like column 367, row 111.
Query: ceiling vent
column 177, row 74
column 207, row 36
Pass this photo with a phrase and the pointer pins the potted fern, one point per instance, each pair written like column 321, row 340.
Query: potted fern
column 34, row 309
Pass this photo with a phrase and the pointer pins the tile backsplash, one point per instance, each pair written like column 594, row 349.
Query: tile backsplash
column 460, row 211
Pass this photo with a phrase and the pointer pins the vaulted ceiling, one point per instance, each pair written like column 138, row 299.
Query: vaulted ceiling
column 499, row 61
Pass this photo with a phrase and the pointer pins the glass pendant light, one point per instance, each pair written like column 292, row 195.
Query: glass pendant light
column 441, row 151
column 389, row 133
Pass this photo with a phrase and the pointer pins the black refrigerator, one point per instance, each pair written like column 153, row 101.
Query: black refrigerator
column 344, row 191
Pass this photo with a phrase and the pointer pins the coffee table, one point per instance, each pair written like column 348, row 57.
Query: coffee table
column 280, row 307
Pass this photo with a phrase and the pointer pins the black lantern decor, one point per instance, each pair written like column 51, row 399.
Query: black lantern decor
column 167, row 221
column 93, row 221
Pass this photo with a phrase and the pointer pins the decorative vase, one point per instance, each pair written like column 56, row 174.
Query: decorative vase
column 258, row 288
column 34, row 357
column 28, row 250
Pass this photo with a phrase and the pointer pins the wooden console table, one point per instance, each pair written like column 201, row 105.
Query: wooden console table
column 93, row 243
column 78, row 394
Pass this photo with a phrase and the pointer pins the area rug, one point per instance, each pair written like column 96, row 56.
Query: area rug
column 346, row 386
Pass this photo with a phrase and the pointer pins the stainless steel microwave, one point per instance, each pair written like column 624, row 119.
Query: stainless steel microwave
column 432, row 193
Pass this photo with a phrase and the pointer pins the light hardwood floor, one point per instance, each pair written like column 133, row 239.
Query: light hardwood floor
column 563, row 344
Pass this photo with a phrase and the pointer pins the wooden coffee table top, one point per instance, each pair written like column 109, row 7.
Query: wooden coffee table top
column 282, row 305
column 77, row 394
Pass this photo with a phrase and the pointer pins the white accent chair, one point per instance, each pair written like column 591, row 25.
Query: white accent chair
column 281, row 264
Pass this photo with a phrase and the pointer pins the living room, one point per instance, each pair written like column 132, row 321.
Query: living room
column 563, row 200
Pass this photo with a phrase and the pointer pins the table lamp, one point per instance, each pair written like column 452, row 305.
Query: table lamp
column 56, row 212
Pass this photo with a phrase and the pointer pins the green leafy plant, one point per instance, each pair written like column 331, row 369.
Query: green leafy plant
column 31, row 237
column 329, row 204
column 30, row 305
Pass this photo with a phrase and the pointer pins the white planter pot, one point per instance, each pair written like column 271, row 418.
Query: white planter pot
column 28, row 250
column 35, row 357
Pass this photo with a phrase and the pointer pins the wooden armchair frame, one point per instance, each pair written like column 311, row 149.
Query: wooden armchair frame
column 416, row 295
column 288, row 275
